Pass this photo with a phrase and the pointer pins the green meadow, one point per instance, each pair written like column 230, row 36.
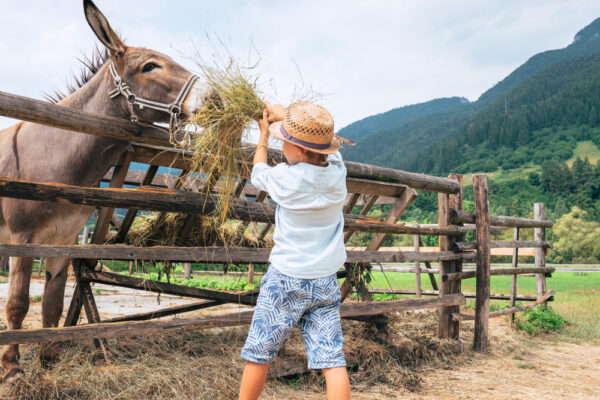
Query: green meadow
column 577, row 296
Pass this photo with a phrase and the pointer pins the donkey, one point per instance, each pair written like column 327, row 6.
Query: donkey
column 39, row 153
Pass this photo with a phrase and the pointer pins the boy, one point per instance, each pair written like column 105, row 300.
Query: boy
column 300, row 286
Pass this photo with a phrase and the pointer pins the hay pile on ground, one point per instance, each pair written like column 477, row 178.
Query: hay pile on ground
column 146, row 232
column 207, row 365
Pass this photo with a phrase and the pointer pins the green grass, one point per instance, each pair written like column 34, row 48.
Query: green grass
column 585, row 149
column 501, row 175
column 577, row 296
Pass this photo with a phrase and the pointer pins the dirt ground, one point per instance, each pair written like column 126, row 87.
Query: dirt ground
column 517, row 367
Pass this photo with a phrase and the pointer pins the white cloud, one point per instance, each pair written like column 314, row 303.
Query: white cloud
column 366, row 56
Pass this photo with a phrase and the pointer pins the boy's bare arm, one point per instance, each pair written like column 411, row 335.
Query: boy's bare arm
column 260, row 156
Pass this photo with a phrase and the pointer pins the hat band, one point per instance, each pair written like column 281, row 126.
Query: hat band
column 302, row 142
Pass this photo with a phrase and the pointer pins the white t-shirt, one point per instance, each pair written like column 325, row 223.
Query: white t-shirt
column 309, row 240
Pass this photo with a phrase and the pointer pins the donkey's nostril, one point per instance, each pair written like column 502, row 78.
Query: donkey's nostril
column 196, row 98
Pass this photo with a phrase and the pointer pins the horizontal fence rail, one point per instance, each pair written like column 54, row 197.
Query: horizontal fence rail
column 211, row 254
column 138, row 328
column 185, row 202
column 468, row 317
column 27, row 109
column 501, row 244
column 456, row 276
column 459, row 216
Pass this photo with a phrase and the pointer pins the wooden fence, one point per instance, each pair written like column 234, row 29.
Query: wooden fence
column 367, row 185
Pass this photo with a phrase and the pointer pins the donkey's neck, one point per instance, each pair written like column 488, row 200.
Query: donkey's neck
column 90, row 156
column 93, row 96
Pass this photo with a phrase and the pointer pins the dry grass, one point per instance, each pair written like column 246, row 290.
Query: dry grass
column 219, row 126
column 146, row 232
column 207, row 365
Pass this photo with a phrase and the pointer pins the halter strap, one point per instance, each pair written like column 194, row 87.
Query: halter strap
column 173, row 109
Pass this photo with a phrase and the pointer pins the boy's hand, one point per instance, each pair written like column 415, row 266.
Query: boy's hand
column 263, row 124
column 276, row 112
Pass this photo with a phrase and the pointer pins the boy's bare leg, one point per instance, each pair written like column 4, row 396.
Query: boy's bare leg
column 253, row 380
column 338, row 384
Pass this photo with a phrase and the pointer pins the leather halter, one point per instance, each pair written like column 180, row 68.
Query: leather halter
column 173, row 109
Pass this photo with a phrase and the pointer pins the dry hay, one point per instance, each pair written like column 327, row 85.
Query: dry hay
column 217, row 130
column 145, row 232
column 207, row 365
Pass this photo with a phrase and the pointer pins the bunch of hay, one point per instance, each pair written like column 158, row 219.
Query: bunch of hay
column 218, row 130
column 148, row 231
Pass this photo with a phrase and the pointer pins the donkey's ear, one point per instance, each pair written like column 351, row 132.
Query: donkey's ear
column 102, row 29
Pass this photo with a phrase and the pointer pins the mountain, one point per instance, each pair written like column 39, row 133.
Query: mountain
column 585, row 42
column 553, row 88
column 364, row 127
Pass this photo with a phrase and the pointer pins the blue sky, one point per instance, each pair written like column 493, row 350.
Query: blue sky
column 364, row 57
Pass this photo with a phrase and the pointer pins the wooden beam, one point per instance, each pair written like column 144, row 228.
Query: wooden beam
column 186, row 202
column 209, row 255
column 539, row 234
column 482, row 301
column 106, row 213
column 110, row 278
column 132, row 212
column 365, row 210
column 503, row 244
column 507, row 311
column 143, row 328
column 513, row 281
column 55, row 115
column 456, row 276
column 163, row 312
column 467, row 217
column 495, row 296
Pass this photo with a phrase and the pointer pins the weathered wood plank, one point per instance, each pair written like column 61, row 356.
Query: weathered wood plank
column 467, row 217
column 546, row 297
column 497, row 272
column 186, row 202
column 539, row 234
column 482, row 300
column 495, row 296
column 45, row 113
column 513, row 280
column 132, row 212
column 504, row 244
column 160, row 327
column 211, row 254
column 163, row 312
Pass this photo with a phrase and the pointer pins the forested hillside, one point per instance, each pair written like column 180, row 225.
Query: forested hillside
column 537, row 134
column 513, row 107
column 364, row 127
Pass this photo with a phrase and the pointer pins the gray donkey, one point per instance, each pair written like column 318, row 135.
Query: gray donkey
column 131, row 82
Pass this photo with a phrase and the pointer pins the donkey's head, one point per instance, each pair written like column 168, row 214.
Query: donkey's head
column 153, row 86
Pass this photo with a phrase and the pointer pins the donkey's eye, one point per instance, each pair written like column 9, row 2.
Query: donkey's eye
column 149, row 67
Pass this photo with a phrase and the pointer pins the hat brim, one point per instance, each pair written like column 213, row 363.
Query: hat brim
column 275, row 130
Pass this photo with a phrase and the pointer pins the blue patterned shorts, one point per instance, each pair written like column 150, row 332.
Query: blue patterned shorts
column 283, row 302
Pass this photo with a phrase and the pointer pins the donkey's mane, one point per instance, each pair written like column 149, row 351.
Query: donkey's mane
column 91, row 64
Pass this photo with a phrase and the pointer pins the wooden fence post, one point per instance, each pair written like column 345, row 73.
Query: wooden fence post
column 482, row 299
column 447, row 328
column 539, row 234
column 417, row 245
column 444, row 320
column 515, row 264
column 251, row 273
column 187, row 270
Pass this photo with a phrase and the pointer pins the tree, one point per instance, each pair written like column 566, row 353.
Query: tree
column 576, row 240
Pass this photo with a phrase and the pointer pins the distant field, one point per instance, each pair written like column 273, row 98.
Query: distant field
column 585, row 149
column 501, row 175
column 577, row 296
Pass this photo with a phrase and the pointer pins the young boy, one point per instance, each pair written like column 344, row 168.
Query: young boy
column 300, row 286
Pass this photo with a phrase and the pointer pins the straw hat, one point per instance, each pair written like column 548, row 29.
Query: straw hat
column 309, row 126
